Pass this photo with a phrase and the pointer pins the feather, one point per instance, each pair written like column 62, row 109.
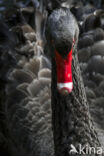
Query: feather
column 33, row 65
column 98, row 48
column 23, row 88
column 22, row 76
column 45, row 72
column 37, row 85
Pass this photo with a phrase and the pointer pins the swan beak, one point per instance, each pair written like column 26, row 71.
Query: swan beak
column 64, row 73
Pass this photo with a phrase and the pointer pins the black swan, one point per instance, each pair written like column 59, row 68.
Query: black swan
column 70, row 113
column 26, row 98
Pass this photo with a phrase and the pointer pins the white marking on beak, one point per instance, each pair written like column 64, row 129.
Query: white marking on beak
column 63, row 87
column 67, row 85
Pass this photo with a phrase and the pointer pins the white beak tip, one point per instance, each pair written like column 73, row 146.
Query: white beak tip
column 65, row 88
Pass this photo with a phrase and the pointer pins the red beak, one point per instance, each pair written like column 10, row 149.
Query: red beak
column 64, row 73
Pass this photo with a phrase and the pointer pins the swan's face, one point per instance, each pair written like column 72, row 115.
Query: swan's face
column 62, row 28
column 64, row 70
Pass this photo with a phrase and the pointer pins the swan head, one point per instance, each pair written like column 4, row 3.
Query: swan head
column 63, row 32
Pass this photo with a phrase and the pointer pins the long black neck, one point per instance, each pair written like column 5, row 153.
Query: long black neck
column 72, row 123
